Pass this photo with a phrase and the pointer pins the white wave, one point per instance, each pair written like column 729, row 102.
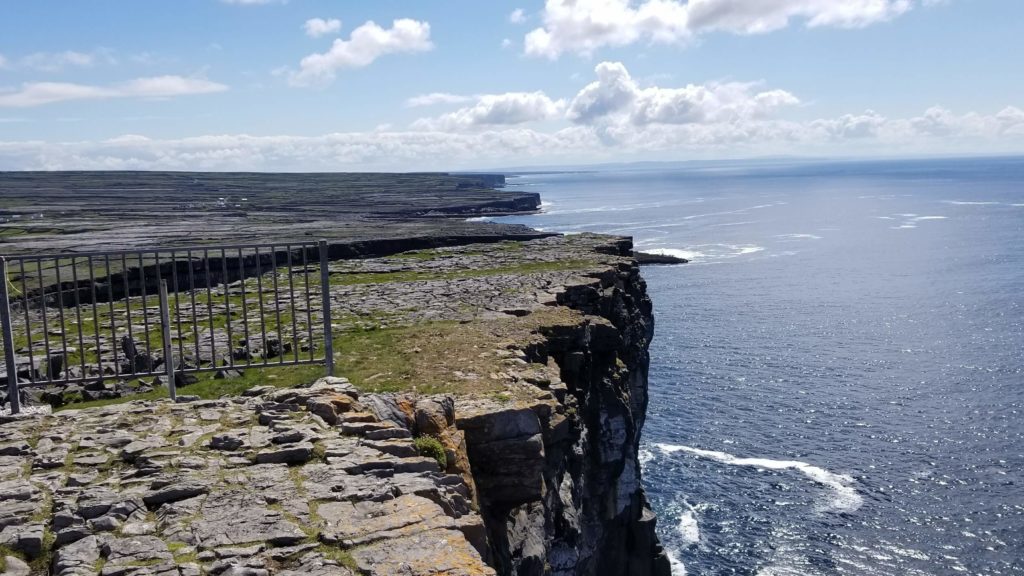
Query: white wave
column 733, row 224
column 687, row 254
column 904, row 227
column 969, row 203
column 799, row 236
column 678, row 569
column 1017, row 205
column 845, row 497
column 610, row 208
column 688, row 529
column 885, row 217
column 749, row 250
column 919, row 218
column 480, row 219
column 644, row 456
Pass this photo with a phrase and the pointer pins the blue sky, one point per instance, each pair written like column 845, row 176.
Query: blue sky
column 411, row 85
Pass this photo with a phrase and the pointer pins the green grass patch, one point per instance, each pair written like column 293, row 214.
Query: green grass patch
column 341, row 556
column 432, row 448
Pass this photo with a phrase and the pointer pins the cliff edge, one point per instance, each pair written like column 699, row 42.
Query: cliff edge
column 488, row 423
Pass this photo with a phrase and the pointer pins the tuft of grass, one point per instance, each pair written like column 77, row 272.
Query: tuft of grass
column 431, row 447
column 341, row 556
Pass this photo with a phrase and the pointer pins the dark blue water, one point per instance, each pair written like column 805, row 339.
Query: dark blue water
column 837, row 381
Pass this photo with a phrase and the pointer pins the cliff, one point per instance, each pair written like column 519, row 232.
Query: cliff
column 488, row 424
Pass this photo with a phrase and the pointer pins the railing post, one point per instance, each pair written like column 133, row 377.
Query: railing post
column 13, row 393
column 325, row 290
column 165, row 324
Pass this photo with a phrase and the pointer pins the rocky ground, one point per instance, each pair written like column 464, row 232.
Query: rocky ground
column 298, row 481
column 488, row 423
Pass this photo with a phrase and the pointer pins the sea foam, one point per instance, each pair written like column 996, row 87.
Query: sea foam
column 844, row 496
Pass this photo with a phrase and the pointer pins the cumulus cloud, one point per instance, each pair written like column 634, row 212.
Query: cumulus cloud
column 39, row 93
column 517, row 16
column 496, row 110
column 56, row 61
column 616, row 93
column 366, row 44
column 385, row 149
column 435, row 98
column 584, row 26
column 317, row 27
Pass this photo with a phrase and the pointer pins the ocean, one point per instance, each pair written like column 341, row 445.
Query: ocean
column 837, row 377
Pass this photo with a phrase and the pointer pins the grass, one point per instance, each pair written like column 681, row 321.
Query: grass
column 341, row 556
column 429, row 358
column 431, row 447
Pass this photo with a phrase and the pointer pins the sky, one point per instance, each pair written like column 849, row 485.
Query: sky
column 401, row 85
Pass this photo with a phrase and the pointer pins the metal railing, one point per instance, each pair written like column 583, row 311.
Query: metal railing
column 91, row 317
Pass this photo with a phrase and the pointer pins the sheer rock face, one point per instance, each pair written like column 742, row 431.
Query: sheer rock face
column 558, row 478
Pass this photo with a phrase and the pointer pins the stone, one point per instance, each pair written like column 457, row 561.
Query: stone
column 16, row 567
column 175, row 492
column 293, row 454
column 226, row 442
column 430, row 418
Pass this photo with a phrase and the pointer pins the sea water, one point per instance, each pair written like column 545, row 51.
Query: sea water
column 837, row 377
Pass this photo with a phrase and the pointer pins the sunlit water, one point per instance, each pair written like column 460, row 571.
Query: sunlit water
column 837, row 380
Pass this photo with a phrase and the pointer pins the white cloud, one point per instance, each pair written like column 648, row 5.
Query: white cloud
column 435, row 98
column 1002, row 132
column 367, row 43
column 3, row 61
column 39, row 93
column 55, row 61
column 616, row 93
column 496, row 110
column 517, row 16
column 317, row 27
column 584, row 26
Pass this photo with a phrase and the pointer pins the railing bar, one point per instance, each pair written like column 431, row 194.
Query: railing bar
column 277, row 304
column 227, row 306
column 263, row 316
column 245, row 309
column 95, row 319
column 116, row 253
column 28, row 322
column 192, row 299
column 161, row 373
column 309, row 301
column 159, row 278
column 128, row 308
column 145, row 308
column 78, row 314
column 209, row 307
column 113, row 320
column 291, row 299
column 46, row 323
column 177, row 307
column 63, row 328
